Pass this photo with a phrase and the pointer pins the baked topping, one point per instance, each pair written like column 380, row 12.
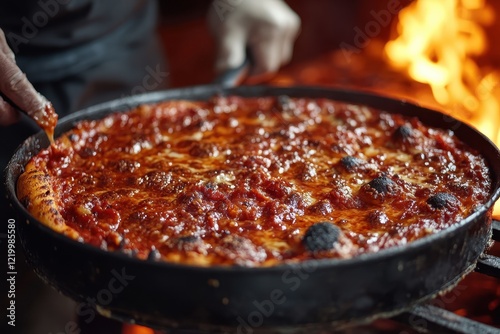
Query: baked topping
column 245, row 181
column 442, row 200
column 321, row 237
column 403, row 132
column 351, row 163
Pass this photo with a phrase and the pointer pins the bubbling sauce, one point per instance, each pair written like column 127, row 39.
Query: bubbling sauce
column 260, row 181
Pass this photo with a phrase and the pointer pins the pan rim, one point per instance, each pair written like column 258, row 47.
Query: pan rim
column 123, row 104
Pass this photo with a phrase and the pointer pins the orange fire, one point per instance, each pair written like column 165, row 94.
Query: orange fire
column 136, row 329
column 436, row 45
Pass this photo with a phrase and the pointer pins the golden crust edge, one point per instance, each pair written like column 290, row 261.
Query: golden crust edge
column 36, row 194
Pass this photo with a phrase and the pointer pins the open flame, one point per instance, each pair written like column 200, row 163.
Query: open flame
column 136, row 329
column 436, row 44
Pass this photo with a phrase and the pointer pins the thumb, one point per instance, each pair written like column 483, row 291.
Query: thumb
column 15, row 85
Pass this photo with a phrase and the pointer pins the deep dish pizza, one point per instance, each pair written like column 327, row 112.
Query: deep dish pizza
column 253, row 181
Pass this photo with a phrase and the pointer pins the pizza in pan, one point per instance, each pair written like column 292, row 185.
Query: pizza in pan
column 253, row 181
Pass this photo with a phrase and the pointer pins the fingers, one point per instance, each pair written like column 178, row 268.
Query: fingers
column 272, row 44
column 268, row 27
column 8, row 115
column 231, row 51
column 290, row 35
column 15, row 85
column 267, row 51
column 4, row 47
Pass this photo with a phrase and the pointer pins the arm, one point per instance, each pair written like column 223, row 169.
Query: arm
column 15, row 85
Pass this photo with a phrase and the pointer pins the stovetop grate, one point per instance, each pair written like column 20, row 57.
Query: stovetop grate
column 427, row 318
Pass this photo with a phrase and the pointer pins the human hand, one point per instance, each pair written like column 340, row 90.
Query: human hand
column 267, row 27
column 15, row 86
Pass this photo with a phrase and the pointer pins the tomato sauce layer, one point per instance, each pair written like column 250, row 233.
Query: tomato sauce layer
column 260, row 181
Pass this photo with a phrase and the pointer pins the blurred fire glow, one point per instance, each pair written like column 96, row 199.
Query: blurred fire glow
column 436, row 43
column 135, row 329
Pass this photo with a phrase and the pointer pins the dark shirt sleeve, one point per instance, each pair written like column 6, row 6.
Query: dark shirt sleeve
column 53, row 39
column 43, row 26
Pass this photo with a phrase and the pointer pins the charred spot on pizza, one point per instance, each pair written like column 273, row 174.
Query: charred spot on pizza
column 382, row 185
column 154, row 254
column 403, row 132
column 351, row 163
column 321, row 236
column 442, row 200
column 284, row 103
column 379, row 190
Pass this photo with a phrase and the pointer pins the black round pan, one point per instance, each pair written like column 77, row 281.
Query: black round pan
column 287, row 298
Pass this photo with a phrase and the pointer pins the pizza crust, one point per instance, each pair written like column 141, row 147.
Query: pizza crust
column 35, row 192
